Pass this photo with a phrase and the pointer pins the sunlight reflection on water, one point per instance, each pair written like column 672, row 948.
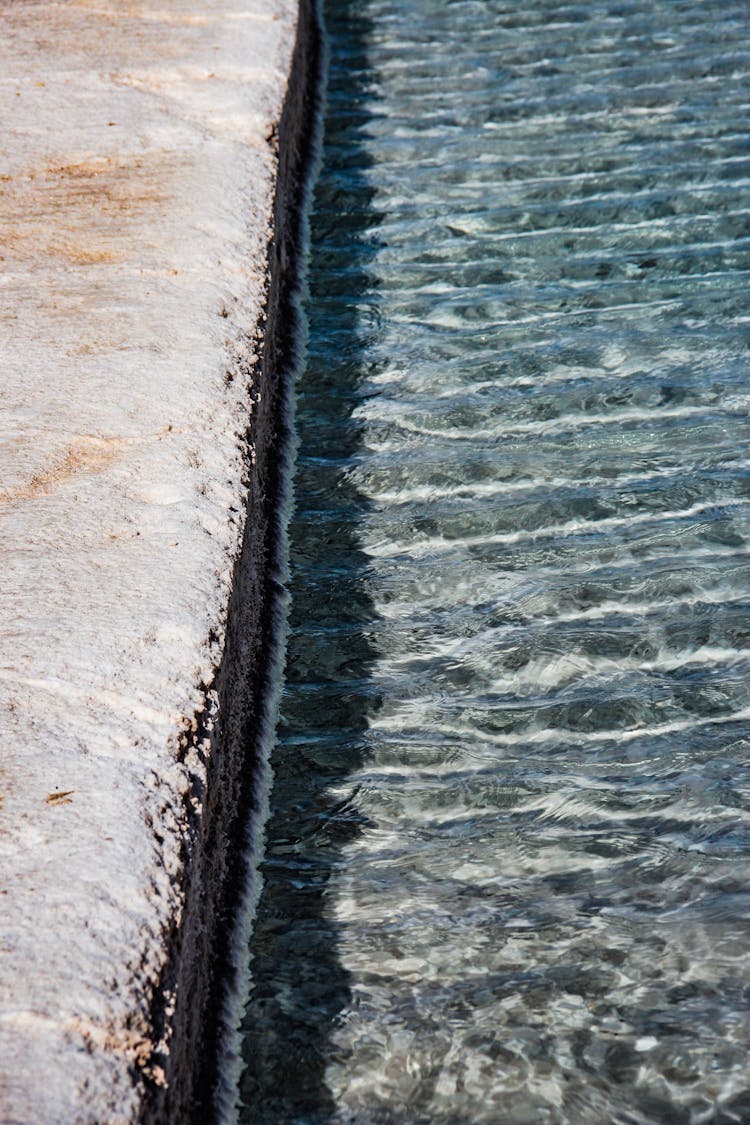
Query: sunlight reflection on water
column 506, row 877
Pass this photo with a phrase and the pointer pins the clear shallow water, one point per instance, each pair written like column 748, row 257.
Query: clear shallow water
column 507, row 867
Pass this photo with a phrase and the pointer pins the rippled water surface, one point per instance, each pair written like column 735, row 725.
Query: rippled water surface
column 507, row 867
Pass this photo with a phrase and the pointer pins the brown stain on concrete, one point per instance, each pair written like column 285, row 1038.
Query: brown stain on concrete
column 60, row 797
column 85, row 455
column 106, row 33
column 133, row 1043
column 83, row 211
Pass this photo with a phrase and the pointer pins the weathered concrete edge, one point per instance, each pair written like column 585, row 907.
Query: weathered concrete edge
column 197, row 1005
column 300, row 136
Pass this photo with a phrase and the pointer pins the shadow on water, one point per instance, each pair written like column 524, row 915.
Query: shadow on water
column 299, row 984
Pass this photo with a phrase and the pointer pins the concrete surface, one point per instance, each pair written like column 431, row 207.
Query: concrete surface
column 136, row 204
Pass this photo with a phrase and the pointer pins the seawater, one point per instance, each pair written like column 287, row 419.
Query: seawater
column 506, row 876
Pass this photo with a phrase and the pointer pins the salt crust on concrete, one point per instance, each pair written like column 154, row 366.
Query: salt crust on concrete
column 136, row 183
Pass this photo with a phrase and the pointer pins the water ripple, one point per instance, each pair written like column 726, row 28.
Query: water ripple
column 506, row 876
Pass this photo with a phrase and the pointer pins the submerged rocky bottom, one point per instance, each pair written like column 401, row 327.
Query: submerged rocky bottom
column 506, row 872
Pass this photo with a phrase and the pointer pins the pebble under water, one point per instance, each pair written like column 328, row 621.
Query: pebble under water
column 506, row 876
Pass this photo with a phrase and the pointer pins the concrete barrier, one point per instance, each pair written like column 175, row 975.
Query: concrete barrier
column 150, row 214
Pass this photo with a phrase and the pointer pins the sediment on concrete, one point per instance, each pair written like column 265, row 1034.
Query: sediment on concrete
column 205, row 971
column 150, row 207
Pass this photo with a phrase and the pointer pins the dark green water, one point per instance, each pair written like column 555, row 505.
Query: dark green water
column 507, row 866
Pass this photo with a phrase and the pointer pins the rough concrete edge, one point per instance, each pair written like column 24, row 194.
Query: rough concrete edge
column 196, row 1009
column 311, row 95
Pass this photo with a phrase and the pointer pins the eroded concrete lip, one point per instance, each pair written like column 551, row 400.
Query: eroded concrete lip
column 136, row 211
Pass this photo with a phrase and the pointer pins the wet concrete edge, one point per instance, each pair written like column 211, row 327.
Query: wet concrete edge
column 194, row 999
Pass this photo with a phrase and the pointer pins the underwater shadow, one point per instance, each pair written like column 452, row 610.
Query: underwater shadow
column 299, row 984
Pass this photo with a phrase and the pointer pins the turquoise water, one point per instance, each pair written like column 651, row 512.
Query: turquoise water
column 506, row 876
